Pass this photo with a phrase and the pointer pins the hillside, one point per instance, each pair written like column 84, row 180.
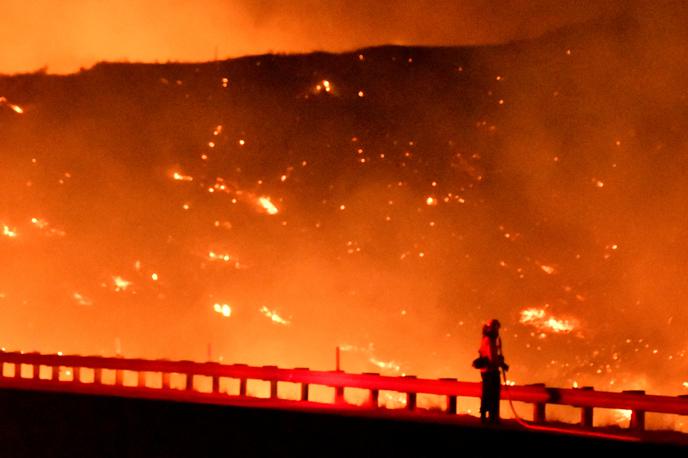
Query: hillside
column 269, row 208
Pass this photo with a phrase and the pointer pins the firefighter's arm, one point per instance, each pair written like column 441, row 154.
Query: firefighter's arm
column 502, row 363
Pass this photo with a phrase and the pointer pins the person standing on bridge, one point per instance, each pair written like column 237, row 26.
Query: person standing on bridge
column 491, row 353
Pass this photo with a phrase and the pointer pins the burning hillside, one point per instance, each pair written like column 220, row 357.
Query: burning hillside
column 268, row 209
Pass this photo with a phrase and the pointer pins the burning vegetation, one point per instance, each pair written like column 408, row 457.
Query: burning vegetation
column 389, row 200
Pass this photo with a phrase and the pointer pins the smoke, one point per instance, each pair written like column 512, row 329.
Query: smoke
column 423, row 192
column 68, row 35
column 593, row 153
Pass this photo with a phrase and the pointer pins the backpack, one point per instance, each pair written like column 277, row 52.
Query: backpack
column 480, row 362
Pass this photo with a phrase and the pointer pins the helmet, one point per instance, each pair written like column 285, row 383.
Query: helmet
column 491, row 327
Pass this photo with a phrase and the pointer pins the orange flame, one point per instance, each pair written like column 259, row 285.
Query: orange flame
column 274, row 316
column 223, row 309
column 545, row 322
column 6, row 231
column 267, row 204
column 181, row 177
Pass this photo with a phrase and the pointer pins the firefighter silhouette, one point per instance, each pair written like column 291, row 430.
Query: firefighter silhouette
column 492, row 361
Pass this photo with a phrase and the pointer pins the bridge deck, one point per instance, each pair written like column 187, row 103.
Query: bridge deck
column 47, row 424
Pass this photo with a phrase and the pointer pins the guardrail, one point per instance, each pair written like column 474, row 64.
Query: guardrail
column 28, row 368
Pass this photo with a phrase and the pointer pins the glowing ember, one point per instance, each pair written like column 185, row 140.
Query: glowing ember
column 8, row 232
column 44, row 226
column 219, row 257
column 324, row 86
column 120, row 283
column 224, row 257
column 81, row 299
column 267, row 204
column 223, row 309
column 223, row 224
column 181, row 177
column 549, row 270
column 274, row 316
column 544, row 322
column 622, row 416
column 38, row 223
column 13, row 107
column 386, row 365
column 431, row 201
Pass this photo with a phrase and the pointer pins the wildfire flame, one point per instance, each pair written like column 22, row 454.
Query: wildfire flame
column 386, row 365
column 177, row 176
column 81, row 299
column 8, row 232
column 223, row 309
column 219, row 257
column 45, row 226
column 543, row 321
column 324, row 86
column 274, row 316
column 16, row 108
column 120, row 283
column 267, row 204
column 622, row 416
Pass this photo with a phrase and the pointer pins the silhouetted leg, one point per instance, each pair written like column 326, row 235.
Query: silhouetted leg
column 484, row 396
column 497, row 394
column 492, row 395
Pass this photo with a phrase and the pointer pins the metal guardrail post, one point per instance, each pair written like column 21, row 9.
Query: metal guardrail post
column 452, row 404
column 189, row 381
column 338, row 394
column 587, row 412
column 55, row 373
column 76, row 374
column 98, row 376
column 165, row 380
column 141, row 379
column 539, row 412
column 119, row 377
column 273, row 383
column 216, row 384
column 243, row 382
column 410, row 396
column 539, row 408
column 374, row 393
column 304, row 386
column 36, row 371
column 637, row 422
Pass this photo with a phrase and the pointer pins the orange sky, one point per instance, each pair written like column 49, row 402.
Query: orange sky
column 66, row 35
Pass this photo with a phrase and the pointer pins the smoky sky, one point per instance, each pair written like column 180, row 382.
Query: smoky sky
column 63, row 36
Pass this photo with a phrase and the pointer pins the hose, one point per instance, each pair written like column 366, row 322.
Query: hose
column 534, row 427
